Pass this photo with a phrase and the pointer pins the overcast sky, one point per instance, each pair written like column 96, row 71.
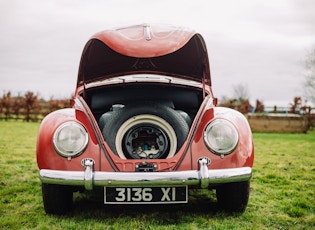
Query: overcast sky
column 258, row 43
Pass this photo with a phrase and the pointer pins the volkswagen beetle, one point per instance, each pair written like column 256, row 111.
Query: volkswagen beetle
column 144, row 126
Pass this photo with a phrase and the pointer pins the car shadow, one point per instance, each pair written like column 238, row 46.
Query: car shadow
column 201, row 203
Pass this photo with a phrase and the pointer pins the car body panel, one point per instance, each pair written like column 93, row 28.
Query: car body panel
column 186, row 158
column 161, row 40
column 171, row 50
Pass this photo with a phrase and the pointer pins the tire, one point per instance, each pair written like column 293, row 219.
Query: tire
column 57, row 198
column 233, row 197
column 162, row 123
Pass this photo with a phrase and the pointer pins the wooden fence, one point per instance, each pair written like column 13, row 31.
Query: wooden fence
column 281, row 119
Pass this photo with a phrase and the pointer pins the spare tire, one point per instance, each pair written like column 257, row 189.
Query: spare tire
column 145, row 130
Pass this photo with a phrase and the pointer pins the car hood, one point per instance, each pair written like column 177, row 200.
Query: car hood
column 154, row 49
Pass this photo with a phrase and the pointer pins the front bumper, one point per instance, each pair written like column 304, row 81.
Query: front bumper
column 202, row 178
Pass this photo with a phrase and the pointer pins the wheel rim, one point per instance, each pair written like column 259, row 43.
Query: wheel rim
column 137, row 136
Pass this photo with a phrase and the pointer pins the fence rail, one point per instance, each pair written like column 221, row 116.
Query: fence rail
column 286, row 110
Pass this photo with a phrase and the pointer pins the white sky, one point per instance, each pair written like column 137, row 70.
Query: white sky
column 258, row 43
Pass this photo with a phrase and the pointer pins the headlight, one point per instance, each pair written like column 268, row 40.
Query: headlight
column 70, row 139
column 221, row 137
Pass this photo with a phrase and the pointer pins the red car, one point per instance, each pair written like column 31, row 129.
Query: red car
column 144, row 127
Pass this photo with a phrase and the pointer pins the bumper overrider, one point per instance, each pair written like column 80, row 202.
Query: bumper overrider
column 203, row 177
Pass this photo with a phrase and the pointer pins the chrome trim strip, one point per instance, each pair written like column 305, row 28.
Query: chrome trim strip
column 147, row 32
column 202, row 178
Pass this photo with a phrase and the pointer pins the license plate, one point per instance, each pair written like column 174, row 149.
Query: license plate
column 145, row 195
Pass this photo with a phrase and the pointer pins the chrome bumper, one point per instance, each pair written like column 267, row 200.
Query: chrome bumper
column 202, row 177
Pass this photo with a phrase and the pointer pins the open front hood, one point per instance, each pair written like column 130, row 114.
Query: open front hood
column 156, row 49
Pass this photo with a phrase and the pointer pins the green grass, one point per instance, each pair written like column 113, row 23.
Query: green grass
column 282, row 191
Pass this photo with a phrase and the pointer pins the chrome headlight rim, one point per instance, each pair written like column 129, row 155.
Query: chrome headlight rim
column 234, row 138
column 75, row 152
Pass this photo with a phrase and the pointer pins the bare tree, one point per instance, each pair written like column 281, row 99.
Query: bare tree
column 259, row 106
column 17, row 105
column 1, row 106
column 244, row 107
column 58, row 104
column 240, row 102
column 6, row 104
column 296, row 104
column 31, row 105
column 241, row 92
column 309, row 83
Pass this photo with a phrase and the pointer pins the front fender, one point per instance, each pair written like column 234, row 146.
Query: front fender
column 242, row 156
column 47, row 157
column 245, row 147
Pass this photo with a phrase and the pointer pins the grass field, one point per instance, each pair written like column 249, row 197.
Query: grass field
column 282, row 191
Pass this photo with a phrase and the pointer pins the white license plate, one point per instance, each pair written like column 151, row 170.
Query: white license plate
column 145, row 195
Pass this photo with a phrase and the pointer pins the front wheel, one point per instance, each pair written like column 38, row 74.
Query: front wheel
column 233, row 197
column 57, row 198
